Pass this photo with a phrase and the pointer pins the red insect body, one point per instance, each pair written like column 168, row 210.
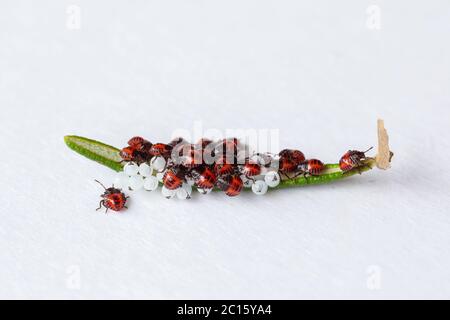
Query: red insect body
column 352, row 159
column 297, row 156
column 136, row 142
column 231, row 185
column 140, row 144
column 112, row 198
column 131, row 154
column 250, row 169
column 128, row 153
column 312, row 167
column 222, row 167
column 137, row 150
column 161, row 149
column 204, row 177
column 287, row 165
column 115, row 201
column 294, row 155
column 290, row 159
column 173, row 178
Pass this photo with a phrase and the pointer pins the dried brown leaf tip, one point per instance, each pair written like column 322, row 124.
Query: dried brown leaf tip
column 384, row 156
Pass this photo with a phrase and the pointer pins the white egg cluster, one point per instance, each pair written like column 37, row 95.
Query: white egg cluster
column 147, row 176
column 135, row 177
column 261, row 184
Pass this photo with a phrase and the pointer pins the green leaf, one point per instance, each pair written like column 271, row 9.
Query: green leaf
column 98, row 151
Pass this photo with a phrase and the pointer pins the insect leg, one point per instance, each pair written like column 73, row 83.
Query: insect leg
column 101, row 203
column 304, row 176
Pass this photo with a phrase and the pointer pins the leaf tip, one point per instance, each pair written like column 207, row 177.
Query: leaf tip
column 68, row 139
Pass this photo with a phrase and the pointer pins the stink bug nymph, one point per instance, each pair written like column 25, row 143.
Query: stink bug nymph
column 289, row 161
column 112, row 198
column 204, row 177
column 352, row 159
column 231, row 185
column 312, row 167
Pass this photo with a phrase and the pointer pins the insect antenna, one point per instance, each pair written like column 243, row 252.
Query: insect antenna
column 368, row 150
column 100, row 183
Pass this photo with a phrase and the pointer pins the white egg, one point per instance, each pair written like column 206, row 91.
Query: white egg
column 272, row 179
column 275, row 164
column 121, row 180
column 167, row 193
column 145, row 170
column 131, row 169
column 187, row 187
column 259, row 187
column 151, row 183
column 158, row 163
column 184, row 192
column 136, row 182
column 204, row 191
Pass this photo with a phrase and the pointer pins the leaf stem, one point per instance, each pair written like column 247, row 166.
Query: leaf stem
column 109, row 156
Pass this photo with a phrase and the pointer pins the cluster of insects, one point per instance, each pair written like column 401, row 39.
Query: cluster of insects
column 225, row 165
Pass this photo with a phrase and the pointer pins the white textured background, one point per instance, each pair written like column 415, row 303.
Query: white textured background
column 314, row 70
